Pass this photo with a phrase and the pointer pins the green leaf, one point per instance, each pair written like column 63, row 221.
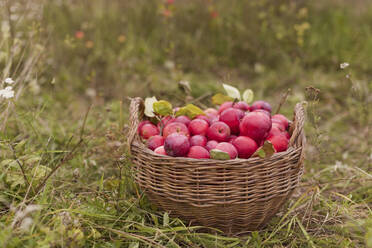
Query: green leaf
column 267, row 150
column 231, row 91
column 165, row 219
column 248, row 96
column 163, row 108
column 149, row 102
column 190, row 110
column 219, row 155
column 219, row 98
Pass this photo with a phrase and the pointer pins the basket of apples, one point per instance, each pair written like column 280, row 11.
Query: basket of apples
column 230, row 167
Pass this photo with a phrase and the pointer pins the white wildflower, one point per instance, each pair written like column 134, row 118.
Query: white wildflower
column 344, row 65
column 9, row 80
column 7, row 93
column 26, row 224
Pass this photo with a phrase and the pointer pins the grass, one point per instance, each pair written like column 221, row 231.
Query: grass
column 64, row 174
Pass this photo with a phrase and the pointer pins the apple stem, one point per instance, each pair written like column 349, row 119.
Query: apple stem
column 283, row 100
column 235, row 101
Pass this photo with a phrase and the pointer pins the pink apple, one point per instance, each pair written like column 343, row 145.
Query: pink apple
column 280, row 142
column 202, row 117
column 211, row 111
column 198, row 126
column 224, row 106
column 165, row 121
column 176, row 145
column 211, row 145
column 183, row 119
column 198, row 152
column 245, row 146
column 281, row 119
column 228, row 148
column 260, row 105
column 198, row 140
column 214, row 119
column 149, row 130
column 155, row 141
column 232, row 117
column 160, row 150
column 218, row 131
column 242, row 106
column 140, row 125
column 175, row 127
column 255, row 125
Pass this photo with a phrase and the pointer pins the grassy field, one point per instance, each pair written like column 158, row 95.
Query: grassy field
column 64, row 175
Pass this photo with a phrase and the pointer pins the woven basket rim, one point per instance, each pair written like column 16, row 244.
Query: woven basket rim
column 275, row 156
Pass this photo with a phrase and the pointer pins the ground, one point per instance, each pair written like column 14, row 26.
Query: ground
column 65, row 176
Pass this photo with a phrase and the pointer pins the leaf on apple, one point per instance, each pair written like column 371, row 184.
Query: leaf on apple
column 248, row 96
column 232, row 91
column 219, row 98
column 219, row 155
column 265, row 151
column 149, row 102
column 190, row 110
column 163, row 108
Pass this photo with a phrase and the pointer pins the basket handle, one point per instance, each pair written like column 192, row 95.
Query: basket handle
column 135, row 110
column 298, row 137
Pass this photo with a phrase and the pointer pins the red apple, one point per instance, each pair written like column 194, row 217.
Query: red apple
column 263, row 111
column 165, row 121
column 198, row 126
column 218, row 131
column 260, row 105
column 275, row 130
column 245, row 146
column 280, row 119
column 279, row 141
column 211, row 145
column 232, row 138
column 149, row 130
column 160, row 150
column 183, row 119
column 202, row 117
column 177, row 145
column 198, row 152
column 175, row 127
column 155, row 141
column 287, row 135
column 140, row 125
column 228, row 148
column 198, row 140
column 255, row 125
column 278, row 125
column 241, row 105
column 224, row 106
column 232, row 117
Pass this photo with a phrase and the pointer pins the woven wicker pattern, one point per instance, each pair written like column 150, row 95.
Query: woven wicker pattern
column 234, row 196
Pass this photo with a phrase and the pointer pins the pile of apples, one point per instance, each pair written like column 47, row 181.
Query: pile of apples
column 234, row 128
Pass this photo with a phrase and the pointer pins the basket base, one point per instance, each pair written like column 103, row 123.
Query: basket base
column 231, row 219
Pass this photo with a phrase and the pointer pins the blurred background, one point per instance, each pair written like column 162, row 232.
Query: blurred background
column 68, row 56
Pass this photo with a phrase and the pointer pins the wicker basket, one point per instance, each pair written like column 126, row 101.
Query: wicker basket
column 233, row 195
